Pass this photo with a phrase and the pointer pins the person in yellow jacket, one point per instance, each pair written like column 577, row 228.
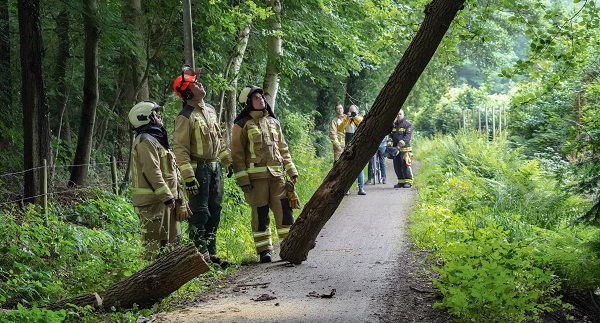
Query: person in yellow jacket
column 200, row 151
column 337, row 136
column 349, row 126
column 154, row 179
column 261, row 160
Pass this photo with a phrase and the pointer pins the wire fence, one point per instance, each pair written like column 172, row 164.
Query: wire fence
column 107, row 176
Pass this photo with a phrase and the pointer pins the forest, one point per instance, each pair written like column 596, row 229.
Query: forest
column 506, row 116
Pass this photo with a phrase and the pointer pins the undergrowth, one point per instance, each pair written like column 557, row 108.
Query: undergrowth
column 500, row 229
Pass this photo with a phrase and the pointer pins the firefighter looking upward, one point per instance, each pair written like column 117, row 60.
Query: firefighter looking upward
column 154, row 179
column 200, row 150
column 260, row 162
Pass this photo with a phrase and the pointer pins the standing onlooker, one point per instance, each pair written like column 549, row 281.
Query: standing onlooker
column 337, row 136
column 349, row 126
column 200, row 152
column 400, row 138
column 378, row 158
column 154, row 179
column 261, row 160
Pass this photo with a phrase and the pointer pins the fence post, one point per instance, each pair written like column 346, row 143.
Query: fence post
column 45, row 188
column 113, row 171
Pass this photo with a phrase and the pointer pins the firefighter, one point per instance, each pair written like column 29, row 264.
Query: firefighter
column 201, row 153
column 261, row 161
column 337, row 136
column 400, row 138
column 154, row 179
column 349, row 126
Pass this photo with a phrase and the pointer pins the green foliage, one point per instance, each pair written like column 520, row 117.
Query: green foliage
column 498, row 227
column 33, row 315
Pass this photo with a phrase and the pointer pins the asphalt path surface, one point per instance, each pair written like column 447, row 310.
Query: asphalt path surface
column 347, row 277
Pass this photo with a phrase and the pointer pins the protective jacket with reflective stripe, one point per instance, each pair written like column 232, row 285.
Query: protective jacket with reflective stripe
column 401, row 135
column 259, row 149
column 197, row 136
column 154, row 172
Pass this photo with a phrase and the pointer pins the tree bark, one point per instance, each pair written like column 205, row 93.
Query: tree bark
column 157, row 281
column 59, row 101
column 90, row 95
column 92, row 299
column 136, row 64
column 376, row 124
column 36, row 127
column 5, row 61
column 274, row 54
column 230, row 100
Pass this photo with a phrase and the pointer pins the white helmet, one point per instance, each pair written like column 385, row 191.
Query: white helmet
column 141, row 113
column 249, row 89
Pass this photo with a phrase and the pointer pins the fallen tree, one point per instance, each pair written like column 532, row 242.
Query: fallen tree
column 376, row 124
column 151, row 284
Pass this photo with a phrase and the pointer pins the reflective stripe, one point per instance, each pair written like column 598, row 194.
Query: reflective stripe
column 142, row 191
column 289, row 166
column 251, row 132
column 186, row 166
column 161, row 190
column 284, row 230
column 198, row 135
column 241, row 174
column 258, row 234
column 263, row 243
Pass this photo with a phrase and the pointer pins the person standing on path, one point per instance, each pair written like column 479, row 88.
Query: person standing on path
column 400, row 138
column 200, row 151
column 349, row 126
column 154, row 179
column 378, row 158
column 337, row 136
column 261, row 160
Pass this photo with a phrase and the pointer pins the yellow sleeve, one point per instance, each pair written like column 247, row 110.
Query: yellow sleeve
column 149, row 158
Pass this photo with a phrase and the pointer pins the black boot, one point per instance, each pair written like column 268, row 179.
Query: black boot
column 265, row 256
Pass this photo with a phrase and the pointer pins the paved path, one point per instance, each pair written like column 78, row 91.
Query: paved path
column 355, row 255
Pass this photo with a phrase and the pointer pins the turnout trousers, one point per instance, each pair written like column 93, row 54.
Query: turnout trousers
column 403, row 171
column 159, row 226
column 269, row 193
column 206, row 207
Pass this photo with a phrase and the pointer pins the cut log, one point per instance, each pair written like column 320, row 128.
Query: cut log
column 157, row 281
column 92, row 299
column 149, row 285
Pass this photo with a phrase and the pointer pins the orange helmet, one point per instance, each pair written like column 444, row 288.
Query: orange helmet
column 182, row 82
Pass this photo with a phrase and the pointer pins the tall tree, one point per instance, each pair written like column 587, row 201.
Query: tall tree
column 5, row 63
column 33, row 97
column 90, row 94
column 136, row 60
column 274, row 54
column 63, row 54
column 301, row 239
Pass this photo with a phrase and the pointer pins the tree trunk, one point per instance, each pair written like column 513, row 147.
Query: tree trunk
column 151, row 284
column 376, row 124
column 157, row 281
column 274, row 54
column 59, row 101
column 90, row 95
column 92, row 299
column 136, row 64
column 5, row 67
column 228, row 112
column 33, row 97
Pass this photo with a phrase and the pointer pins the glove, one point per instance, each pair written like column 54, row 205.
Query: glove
column 293, row 199
column 182, row 210
column 191, row 186
column 408, row 158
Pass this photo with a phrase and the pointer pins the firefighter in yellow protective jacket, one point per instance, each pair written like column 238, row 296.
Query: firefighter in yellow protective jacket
column 201, row 152
column 337, row 136
column 154, row 179
column 260, row 162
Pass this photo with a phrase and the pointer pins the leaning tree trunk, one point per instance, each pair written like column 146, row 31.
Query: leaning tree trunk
column 90, row 95
column 36, row 125
column 274, row 54
column 319, row 209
